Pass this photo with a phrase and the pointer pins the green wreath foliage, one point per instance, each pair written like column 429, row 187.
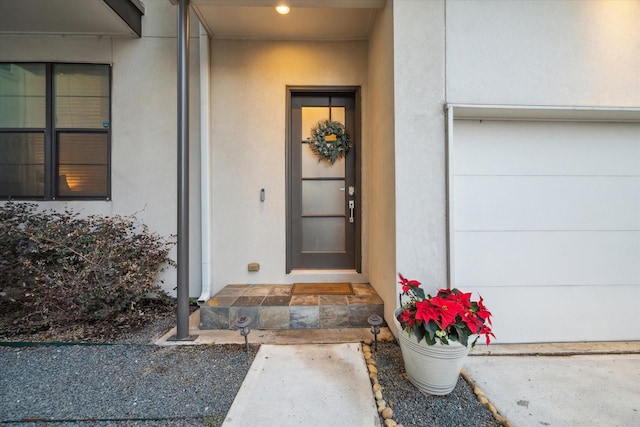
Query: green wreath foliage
column 329, row 150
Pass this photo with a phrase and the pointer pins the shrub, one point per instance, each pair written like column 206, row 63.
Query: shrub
column 61, row 267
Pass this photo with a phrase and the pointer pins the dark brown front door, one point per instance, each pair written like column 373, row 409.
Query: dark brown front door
column 323, row 221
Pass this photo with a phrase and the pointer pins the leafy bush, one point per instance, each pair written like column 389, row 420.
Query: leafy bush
column 60, row 267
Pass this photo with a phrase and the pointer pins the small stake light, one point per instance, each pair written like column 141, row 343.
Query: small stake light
column 243, row 324
column 375, row 321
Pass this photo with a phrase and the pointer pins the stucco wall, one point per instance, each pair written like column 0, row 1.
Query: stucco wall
column 248, row 117
column 527, row 52
column 574, row 53
column 380, row 159
column 420, row 186
column 144, row 132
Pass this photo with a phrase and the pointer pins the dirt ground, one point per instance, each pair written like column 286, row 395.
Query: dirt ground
column 150, row 316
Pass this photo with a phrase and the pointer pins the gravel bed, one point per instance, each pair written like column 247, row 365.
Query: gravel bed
column 135, row 384
column 411, row 408
column 128, row 384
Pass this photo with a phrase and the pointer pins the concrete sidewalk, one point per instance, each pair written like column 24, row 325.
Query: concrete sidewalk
column 569, row 384
column 306, row 385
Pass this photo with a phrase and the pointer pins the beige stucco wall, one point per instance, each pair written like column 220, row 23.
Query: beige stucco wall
column 568, row 53
column 420, row 174
column 248, row 117
column 381, row 161
column 144, row 130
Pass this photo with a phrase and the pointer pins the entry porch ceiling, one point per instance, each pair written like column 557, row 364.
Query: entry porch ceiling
column 329, row 20
column 72, row 17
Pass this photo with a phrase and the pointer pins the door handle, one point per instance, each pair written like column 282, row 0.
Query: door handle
column 352, row 206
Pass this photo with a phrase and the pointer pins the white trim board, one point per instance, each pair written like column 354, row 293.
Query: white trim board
column 542, row 113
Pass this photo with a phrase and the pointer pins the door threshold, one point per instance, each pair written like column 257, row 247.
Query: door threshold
column 310, row 271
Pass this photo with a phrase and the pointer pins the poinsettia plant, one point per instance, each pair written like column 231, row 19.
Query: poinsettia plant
column 448, row 316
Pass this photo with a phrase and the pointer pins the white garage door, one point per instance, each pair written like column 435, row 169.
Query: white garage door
column 545, row 225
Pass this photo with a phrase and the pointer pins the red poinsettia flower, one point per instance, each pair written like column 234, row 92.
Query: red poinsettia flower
column 407, row 284
column 483, row 312
column 486, row 331
column 472, row 321
column 463, row 298
column 425, row 312
column 449, row 316
column 408, row 317
column 448, row 309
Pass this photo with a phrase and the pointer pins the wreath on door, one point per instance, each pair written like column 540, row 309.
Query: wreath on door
column 329, row 141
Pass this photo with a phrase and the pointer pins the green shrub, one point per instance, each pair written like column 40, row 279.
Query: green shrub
column 61, row 267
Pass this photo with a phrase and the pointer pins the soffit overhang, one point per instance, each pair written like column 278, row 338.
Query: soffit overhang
column 121, row 18
column 329, row 20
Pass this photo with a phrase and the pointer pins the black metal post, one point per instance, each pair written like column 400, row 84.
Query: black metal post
column 183, row 171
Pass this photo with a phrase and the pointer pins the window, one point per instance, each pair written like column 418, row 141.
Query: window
column 55, row 131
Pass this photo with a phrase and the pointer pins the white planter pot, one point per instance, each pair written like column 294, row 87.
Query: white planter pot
column 434, row 369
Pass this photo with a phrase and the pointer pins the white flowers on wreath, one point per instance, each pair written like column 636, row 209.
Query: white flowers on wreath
column 329, row 141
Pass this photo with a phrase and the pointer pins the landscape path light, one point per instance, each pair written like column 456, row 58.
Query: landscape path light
column 243, row 324
column 375, row 321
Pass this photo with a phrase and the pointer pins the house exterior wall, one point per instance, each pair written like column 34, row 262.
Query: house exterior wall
column 144, row 135
column 380, row 158
column 563, row 261
column 570, row 53
column 526, row 53
column 420, row 175
column 248, row 118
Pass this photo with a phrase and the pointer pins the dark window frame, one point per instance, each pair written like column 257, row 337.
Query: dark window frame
column 51, row 132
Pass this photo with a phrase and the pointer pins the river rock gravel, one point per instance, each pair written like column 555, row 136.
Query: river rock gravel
column 412, row 408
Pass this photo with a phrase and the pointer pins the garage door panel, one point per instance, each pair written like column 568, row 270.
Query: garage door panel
column 560, row 314
column 545, row 148
column 545, row 224
column 538, row 259
column 546, row 203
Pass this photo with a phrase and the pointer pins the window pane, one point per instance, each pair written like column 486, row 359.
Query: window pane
column 338, row 114
column 21, row 165
column 323, row 234
column 323, row 197
column 82, row 164
column 310, row 118
column 81, row 95
column 22, row 96
column 312, row 168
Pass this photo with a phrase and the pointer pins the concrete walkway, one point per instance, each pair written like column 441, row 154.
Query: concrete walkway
column 306, row 385
column 581, row 390
column 566, row 384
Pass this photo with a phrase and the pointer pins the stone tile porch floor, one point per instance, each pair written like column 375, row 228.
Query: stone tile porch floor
column 273, row 307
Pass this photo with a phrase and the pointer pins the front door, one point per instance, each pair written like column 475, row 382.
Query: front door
column 323, row 224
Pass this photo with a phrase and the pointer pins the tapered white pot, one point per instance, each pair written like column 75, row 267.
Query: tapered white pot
column 434, row 369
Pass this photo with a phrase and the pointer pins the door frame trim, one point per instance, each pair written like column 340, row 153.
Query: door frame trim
column 324, row 90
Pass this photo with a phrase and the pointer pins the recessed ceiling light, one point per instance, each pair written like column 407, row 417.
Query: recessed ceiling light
column 283, row 9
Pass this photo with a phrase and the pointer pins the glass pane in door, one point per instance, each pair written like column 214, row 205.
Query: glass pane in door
column 323, row 188
column 312, row 168
column 323, row 234
column 323, row 198
column 338, row 114
column 323, row 228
